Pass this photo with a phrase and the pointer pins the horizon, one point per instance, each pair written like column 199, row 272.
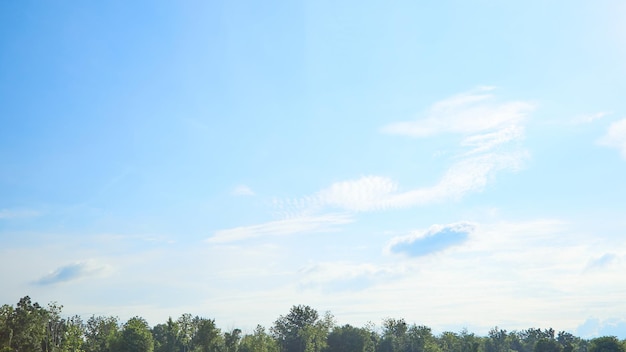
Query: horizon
column 375, row 326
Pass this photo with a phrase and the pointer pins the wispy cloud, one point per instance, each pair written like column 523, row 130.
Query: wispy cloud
column 602, row 262
column 71, row 272
column 364, row 194
column 342, row 276
column 370, row 193
column 489, row 141
column 616, row 137
column 589, row 118
column 465, row 113
column 539, row 264
column 489, row 131
column 519, row 257
column 594, row 327
column 436, row 239
column 242, row 190
column 296, row 225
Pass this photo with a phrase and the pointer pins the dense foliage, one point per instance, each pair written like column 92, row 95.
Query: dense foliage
column 29, row 327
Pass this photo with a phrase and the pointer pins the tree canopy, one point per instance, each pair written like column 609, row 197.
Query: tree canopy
column 30, row 327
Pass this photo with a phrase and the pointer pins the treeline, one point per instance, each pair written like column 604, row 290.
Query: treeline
column 29, row 327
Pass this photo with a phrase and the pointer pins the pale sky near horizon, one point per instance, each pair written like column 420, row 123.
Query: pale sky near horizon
column 456, row 164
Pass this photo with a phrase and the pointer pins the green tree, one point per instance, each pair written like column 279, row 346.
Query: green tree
column 497, row 341
column 55, row 328
column 167, row 337
column 73, row 335
column 6, row 328
column 231, row 340
column 187, row 330
column 450, row 342
column 135, row 337
column 393, row 335
column 259, row 341
column 469, row 341
column 316, row 335
column 606, row 344
column 295, row 330
column 529, row 338
column 207, row 337
column 100, row 333
column 350, row 339
column 548, row 345
column 420, row 339
column 567, row 341
column 28, row 326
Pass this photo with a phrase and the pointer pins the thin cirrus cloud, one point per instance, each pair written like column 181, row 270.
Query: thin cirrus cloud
column 489, row 129
column 593, row 327
column 380, row 193
column 347, row 276
column 243, row 190
column 502, row 245
column 488, row 141
column 602, row 262
column 436, row 239
column 465, row 113
column 322, row 223
column 71, row 272
column 589, row 118
column 616, row 137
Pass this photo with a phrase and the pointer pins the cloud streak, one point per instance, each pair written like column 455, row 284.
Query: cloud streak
column 589, row 118
column 71, row 272
column 436, row 239
column 242, row 190
column 602, row 262
column 489, row 131
column 345, row 276
column 301, row 224
column 465, row 113
column 616, row 137
column 371, row 193
column 594, row 327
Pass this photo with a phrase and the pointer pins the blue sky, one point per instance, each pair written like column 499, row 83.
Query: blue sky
column 458, row 164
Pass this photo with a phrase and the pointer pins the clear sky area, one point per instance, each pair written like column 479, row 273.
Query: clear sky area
column 453, row 163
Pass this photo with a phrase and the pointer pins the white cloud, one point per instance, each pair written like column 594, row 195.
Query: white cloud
column 343, row 275
column 602, row 262
column 242, row 190
column 369, row 193
column 488, row 141
column 436, row 239
column 589, row 118
column 467, row 175
column 291, row 226
column 489, row 130
column 464, row 113
column 616, row 137
column 363, row 194
column 71, row 272
column 594, row 327
column 540, row 265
